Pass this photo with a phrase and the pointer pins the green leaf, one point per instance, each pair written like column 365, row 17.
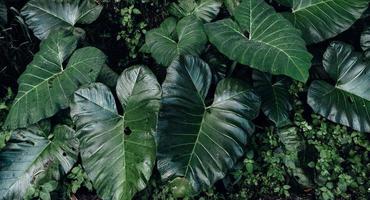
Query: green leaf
column 365, row 42
column 107, row 76
column 3, row 13
column 205, row 10
column 348, row 101
column 274, row 93
column 118, row 151
column 197, row 142
column 231, row 5
column 46, row 86
column 323, row 19
column 272, row 45
column 29, row 154
column 171, row 40
column 293, row 145
column 44, row 16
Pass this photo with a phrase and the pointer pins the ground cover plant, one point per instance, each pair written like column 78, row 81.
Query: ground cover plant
column 187, row 99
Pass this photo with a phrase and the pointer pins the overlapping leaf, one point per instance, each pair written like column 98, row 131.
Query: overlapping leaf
column 274, row 93
column 199, row 143
column 272, row 45
column 365, row 42
column 118, row 151
column 46, row 86
column 170, row 40
column 43, row 16
column 293, row 145
column 30, row 154
column 205, row 10
column 348, row 101
column 323, row 19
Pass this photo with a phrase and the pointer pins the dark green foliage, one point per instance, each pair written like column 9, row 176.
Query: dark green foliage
column 241, row 99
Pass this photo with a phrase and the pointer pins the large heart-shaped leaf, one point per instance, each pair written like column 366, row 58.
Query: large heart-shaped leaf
column 199, row 143
column 3, row 13
column 29, row 154
column 43, row 16
column 46, row 86
column 274, row 93
column 323, row 19
column 205, row 10
column 171, row 40
column 348, row 101
column 365, row 42
column 118, row 151
column 273, row 44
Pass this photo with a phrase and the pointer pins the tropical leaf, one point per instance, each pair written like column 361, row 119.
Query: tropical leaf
column 118, row 151
column 268, row 47
column 348, row 101
column 231, row 5
column 43, row 16
column 205, row 10
column 274, row 93
column 30, row 154
column 323, row 19
column 199, row 143
column 365, row 42
column 107, row 76
column 293, row 145
column 171, row 40
column 3, row 13
column 46, row 86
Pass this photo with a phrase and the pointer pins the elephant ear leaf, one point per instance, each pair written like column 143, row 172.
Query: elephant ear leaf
column 3, row 13
column 43, row 16
column 46, row 86
column 205, row 10
column 171, row 40
column 31, row 154
column 198, row 144
column 272, row 44
column 118, row 151
column 348, row 101
column 274, row 93
column 365, row 42
column 323, row 19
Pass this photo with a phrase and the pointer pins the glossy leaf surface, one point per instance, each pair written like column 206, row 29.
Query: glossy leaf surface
column 43, row 16
column 47, row 85
column 173, row 39
column 323, row 19
column 205, row 10
column 348, row 101
column 30, row 153
column 118, row 151
column 197, row 142
column 272, row 44
column 274, row 93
